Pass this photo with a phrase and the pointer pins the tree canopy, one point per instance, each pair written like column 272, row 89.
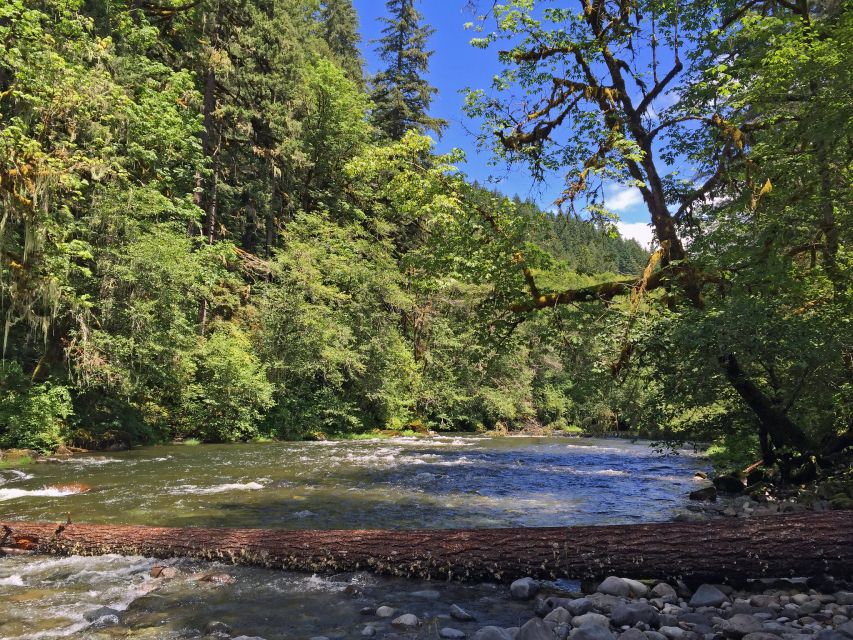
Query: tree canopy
column 211, row 227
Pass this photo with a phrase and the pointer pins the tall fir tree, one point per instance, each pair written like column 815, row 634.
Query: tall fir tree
column 339, row 21
column 401, row 94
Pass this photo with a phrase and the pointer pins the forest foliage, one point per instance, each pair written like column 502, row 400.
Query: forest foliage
column 213, row 225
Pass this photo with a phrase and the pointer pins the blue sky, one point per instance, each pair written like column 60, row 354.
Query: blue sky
column 456, row 65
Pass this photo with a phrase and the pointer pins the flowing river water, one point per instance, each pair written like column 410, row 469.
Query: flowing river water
column 404, row 483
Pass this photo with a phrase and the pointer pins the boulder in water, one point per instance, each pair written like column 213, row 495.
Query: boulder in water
column 708, row 494
column 524, row 589
column 217, row 627
column 406, row 621
column 101, row 612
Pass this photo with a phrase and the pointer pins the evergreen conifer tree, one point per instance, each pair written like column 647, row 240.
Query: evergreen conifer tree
column 340, row 31
column 400, row 93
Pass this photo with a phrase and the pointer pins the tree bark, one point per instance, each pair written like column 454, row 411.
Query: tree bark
column 726, row 549
column 782, row 430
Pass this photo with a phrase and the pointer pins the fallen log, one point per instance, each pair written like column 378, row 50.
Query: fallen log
column 726, row 549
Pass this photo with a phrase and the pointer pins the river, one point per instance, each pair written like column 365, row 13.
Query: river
column 440, row 482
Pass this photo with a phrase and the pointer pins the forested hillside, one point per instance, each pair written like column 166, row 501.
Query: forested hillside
column 214, row 226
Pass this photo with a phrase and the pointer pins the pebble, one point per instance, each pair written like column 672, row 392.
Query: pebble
column 451, row 634
column 385, row 612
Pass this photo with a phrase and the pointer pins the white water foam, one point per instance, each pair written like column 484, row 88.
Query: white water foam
column 46, row 492
column 12, row 581
column 219, row 488
column 89, row 461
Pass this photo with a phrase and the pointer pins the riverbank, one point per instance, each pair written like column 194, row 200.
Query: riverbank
column 137, row 598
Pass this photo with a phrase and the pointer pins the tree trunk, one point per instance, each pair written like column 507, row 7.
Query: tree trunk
column 782, row 430
column 725, row 549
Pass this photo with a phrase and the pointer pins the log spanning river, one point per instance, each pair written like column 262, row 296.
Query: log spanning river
column 442, row 482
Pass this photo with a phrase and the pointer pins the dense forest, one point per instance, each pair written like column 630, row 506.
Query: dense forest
column 215, row 225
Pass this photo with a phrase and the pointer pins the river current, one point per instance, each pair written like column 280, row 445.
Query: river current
column 441, row 482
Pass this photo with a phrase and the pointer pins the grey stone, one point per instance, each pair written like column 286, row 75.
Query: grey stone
column 406, row 621
column 708, row 596
column 808, row 608
column 385, row 612
column 524, row 589
column 614, row 586
column 535, row 629
column 249, row 638
column 830, row 634
column 632, row 634
column 592, row 632
column 492, row 633
column 101, row 612
column 458, row 613
column 591, row 618
column 558, row 616
column 760, row 635
column 741, row 624
column 217, row 627
column 369, row 631
column 673, row 633
column 761, row 601
column 426, row 594
column 654, row 635
column 846, row 628
column 665, row 591
column 844, row 597
column 638, row 589
column 560, row 630
column 603, row 602
column 451, row 634
column 667, row 620
column 579, row 606
column 634, row 612
column 512, row 631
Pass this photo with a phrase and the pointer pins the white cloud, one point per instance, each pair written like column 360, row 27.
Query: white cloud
column 619, row 199
column 639, row 231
